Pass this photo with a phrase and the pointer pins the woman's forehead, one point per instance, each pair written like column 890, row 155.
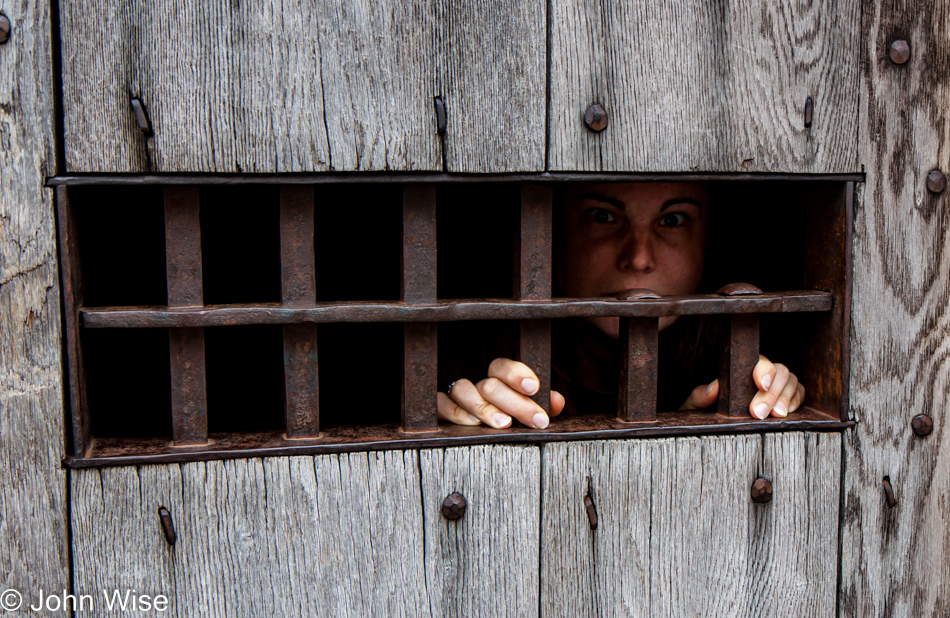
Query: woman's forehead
column 645, row 193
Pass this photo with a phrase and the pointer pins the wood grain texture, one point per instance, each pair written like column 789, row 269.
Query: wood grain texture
column 704, row 86
column 317, row 85
column 331, row 535
column 486, row 563
column 896, row 561
column 678, row 533
column 33, row 526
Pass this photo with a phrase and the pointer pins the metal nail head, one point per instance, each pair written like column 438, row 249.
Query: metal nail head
column 936, row 181
column 596, row 118
column 889, row 493
column 591, row 511
column 168, row 526
column 761, row 491
column 922, row 425
column 454, row 505
column 5, row 28
column 900, row 51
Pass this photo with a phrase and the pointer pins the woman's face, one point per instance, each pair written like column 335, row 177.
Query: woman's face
column 633, row 235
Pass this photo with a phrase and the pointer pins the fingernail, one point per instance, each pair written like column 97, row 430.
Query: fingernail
column 761, row 410
column 529, row 386
column 474, row 419
column 540, row 420
column 780, row 409
column 708, row 388
column 501, row 419
column 766, row 382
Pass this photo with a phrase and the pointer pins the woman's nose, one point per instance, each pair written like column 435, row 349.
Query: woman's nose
column 638, row 254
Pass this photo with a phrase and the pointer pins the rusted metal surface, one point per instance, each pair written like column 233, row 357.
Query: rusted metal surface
column 738, row 359
column 420, row 352
column 595, row 117
column 72, row 300
column 534, row 350
column 186, row 345
column 637, row 294
column 453, row 311
column 298, row 289
column 591, row 510
column 183, row 247
column 936, row 181
column 761, row 491
column 922, row 425
column 889, row 493
column 141, row 117
column 116, row 452
column 454, row 506
column 809, row 112
column 826, row 351
column 189, row 387
column 168, row 525
column 899, row 51
column 637, row 391
column 739, row 289
column 5, row 28
column 435, row 178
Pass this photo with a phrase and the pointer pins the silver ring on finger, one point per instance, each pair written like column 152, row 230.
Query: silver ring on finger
column 448, row 391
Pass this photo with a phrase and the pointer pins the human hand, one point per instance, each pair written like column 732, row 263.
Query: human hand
column 779, row 391
column 504, row 394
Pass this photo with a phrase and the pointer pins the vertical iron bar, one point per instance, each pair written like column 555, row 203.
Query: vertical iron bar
column 186, row 345
column 298, row 289
column 420, row 352
column 741, row 353
column 636, row 396
column 533, row 265
column 72, row 301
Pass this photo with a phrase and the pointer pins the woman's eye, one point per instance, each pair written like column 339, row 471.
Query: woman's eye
column 600, row 215
column 674, row 219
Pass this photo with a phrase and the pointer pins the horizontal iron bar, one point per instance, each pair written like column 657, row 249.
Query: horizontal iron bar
column 452, row 311
column 115, row 452
column 77, row 180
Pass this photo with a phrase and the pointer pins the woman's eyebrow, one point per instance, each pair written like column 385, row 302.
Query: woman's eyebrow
column 600, row 197
column 680, row 200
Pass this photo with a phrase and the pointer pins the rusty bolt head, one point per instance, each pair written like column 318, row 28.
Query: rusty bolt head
column 761, row 491
column 922, row 425
column 4, row 28
column 453, row 507
column 936, row 181
column 900, row 51
column 596, row 118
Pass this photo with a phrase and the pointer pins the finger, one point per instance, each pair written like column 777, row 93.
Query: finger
column 465, row 394
column 452, row 412
column 702, row 396
column 782, row 405
column 515, row 374
column 514, row 403
column 764, row 401
column 557, row 403
column 763, row 373
column 798, row 399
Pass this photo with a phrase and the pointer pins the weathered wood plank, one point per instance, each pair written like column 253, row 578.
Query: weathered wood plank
column 895, row 560
column 33, row 526
column 678, row 534
column 705, row 86
column 486, row 563
column 335, row 535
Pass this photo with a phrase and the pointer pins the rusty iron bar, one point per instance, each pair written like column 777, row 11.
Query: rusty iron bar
column 637, row 392
column 532, row 278
column 456, row 310
column 186, row 345
column 298, row 289
column 420, row 351
column 72, row 300
column 738, row 359
column 115, row 451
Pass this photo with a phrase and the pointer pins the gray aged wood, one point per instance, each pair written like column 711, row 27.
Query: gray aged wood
column 33, row 530
column 312, row 86
column 705, row 86
column 486, row 563
column 895, row 561
column 677, row 531
column 331, row 535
